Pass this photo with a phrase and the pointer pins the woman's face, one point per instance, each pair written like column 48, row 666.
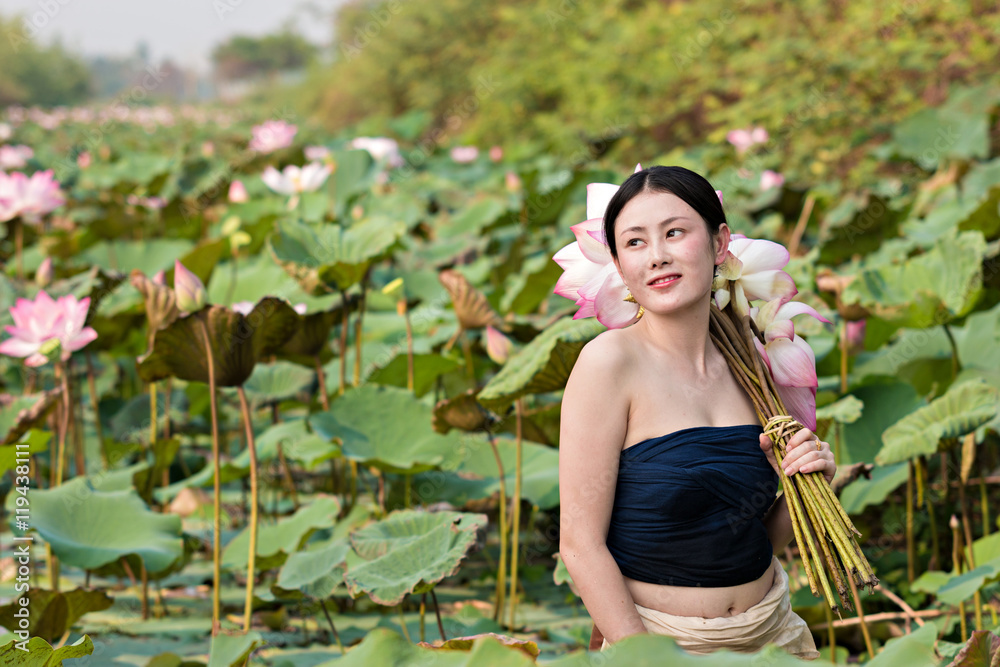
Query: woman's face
column 666, row 255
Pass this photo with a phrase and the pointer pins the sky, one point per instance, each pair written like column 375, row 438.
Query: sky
column 183, row 30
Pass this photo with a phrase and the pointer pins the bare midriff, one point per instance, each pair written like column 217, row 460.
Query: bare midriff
column 701, row 602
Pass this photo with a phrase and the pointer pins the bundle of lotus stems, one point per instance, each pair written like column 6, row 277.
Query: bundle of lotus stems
column 824, row 533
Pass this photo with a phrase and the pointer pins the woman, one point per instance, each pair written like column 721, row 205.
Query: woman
column 667, row 483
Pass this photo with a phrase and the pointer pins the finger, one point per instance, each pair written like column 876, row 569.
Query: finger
column 801, row 436
column 803, row 462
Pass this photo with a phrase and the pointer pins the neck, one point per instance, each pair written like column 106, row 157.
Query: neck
column 683, row 335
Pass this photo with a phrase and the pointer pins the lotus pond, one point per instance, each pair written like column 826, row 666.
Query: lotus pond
column 302, row 407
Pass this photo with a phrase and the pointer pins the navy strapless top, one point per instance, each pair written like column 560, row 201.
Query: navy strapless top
column 689, row 508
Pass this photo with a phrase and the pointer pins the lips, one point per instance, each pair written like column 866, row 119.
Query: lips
column 669, row 277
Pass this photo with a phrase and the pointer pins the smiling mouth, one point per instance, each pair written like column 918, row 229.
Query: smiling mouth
column 666, row 280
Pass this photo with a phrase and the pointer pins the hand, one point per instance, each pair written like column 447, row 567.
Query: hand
column 804, row 453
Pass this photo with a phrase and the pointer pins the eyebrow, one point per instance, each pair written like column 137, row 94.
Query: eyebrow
column 642, row 229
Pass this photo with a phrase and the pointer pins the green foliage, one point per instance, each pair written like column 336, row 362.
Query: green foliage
column 242, row 56
column 35, row 74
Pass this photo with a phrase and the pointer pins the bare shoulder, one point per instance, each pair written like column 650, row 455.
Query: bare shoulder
column 604, row 357
column 595, row 406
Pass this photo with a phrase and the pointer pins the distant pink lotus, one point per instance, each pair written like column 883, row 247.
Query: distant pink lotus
column 238, row 192
column 30, row 198
column 294, row 180
column 743, row 140
column 316, row 153
column 464, row 154
column 496, row 153
column 83, row 160
column 272, row 135
column 771, row 179
column 382, row 149
column 15, row 157
column 42, row 326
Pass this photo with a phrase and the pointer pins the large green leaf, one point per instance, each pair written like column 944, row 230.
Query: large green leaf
column 147, row 256
column 542, row 365
column 233, row 650
column 84, row 526
column 237, row 341
column 886, row 401
column 20, row 413
column 52, row 613
column 471, row 220
column 382, row 646
column 276, row 541
column 932, row 288
column 331, row 257
column 316, row 572
column 277, row 381
column 426, row 370
column 962, row 409
column 41, row 654
column 407, row 443
column 980, row 651
column 410, row 551
column 36, row 441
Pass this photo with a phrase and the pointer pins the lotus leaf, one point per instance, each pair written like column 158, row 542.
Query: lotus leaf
column 980, row 651
column 331, row 257
column 86, row 526
column 237, row 341
column 38, row 441
column 277, row 381
column 276, row 541
column 427, row 368
column 385, row 647
column 53, row 613
column 20, row 413
column 961, row 410
column 41, row 654
column 316, row 572
column 410, row 551
column 542, row 365
column 233, row 650
column 407, row 443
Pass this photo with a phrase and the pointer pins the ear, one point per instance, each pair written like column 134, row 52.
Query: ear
column 721, row 240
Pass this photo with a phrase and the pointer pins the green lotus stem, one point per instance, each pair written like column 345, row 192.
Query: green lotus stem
column 67, row 409
column 217, row 484
column 358, row 322
column 935, row 542
column 402, row 621
column 956, row 366
column 437, row 613
column 152, row 414
column 409, row 347
column 95, row 406
column 796, row 504
column 166, row 409
column 324, row 398
column 861, row 618
column 984, row 506
column 911, row 554
column 502, row 566
column 956, row 556
column 76, row 422
column 423, row 610
column 343, row 341
column 843, row 356
column 252, row 556
column 832, row 633
column 145, row 589
column 333, row 629
column 516, row 518
column 969, row 554
column 407, row 490
column 286, row 474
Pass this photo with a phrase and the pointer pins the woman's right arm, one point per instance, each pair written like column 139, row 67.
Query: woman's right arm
column 593, row 424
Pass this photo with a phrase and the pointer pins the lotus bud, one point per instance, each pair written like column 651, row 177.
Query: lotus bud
column 497, row 345
column 160, row 278
column 513, row 182
column 83, row 160
column 718, row 193
column 44, row 273
column 300, row 308
column 238, row 192
column 496, row 153
column 189, row 289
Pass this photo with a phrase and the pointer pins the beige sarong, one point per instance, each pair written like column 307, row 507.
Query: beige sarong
column 769, row 621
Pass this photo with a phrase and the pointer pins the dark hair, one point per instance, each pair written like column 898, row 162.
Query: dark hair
column 696, row 192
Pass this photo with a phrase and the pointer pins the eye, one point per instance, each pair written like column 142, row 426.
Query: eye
column 672, row 231
column 629, row 242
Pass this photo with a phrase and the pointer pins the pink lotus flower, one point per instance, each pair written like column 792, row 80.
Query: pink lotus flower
column 315, row 153
column 496, row 153
column 188, row 288
column 745, row 139
column 754, row 266
column 790, row 358
column 238, row 192
column 152, row 203
column 855, row 334
column 512, row 182
column 272, row 135
column 771, row 179
column 464, row 154
column 382, row 149
column 498, row 346
column 83, row 160
column 294, row 180
column 30, row 198
column 44, row 325
column 15, row 157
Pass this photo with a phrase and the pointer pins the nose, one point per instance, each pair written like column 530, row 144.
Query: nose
column 659, row 255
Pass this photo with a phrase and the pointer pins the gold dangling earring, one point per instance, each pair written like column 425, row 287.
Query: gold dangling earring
column 631, row 299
